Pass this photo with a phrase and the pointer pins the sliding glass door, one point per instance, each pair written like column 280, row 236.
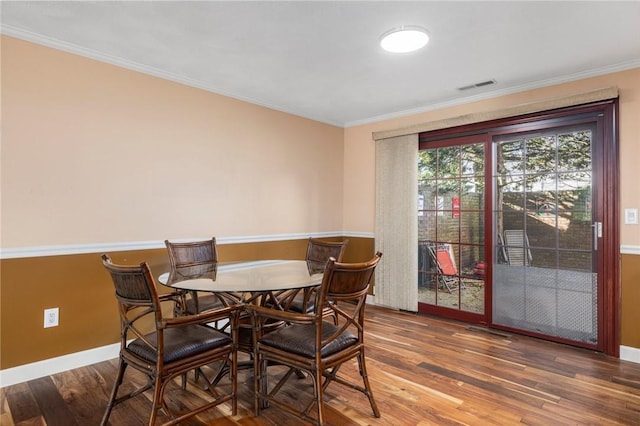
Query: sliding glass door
column 517, row 225
column 451, row 223
column 545, row 277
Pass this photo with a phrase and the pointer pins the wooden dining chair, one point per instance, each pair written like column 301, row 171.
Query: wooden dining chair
column 311, row 344
column 174, row 346
column 318, row 254
column 192, row 254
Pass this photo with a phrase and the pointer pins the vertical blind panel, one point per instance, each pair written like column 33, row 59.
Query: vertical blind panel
column 396, row 222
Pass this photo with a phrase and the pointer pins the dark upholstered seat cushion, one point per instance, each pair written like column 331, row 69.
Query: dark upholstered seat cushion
column 300, row 339
column 245, row 331
column 205, row 303
column 296, row 306
column 180, row 343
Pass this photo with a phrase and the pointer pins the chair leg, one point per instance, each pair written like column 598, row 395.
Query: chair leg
column 224, row 370
column 319, row 390
column 183, row 383
column 234, row 382
column 157, row 401
column 258, row 379
column 230, row 368
column 122, row 366
column 367, row 386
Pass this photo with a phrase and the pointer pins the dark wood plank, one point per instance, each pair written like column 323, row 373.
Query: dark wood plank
column 53, row 407
column 21, row 403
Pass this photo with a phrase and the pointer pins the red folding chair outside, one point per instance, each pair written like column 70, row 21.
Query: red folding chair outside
column 445, row 262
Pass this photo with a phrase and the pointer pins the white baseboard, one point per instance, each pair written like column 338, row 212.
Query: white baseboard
column 47, row 367
column 627, row 353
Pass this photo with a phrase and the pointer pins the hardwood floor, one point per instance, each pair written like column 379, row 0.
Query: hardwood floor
column 423, row 370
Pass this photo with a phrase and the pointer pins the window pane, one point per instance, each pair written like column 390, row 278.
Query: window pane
column 472, row 227
column 448, row 300
column 472, row 197
column 426, row 195
column 544, row 258
column 509, row 185
column 427, row 164
column 574, row 181
column 578, row 236
column 427, row 226
column 576, row 203
column 510, row 158
column 574, row 151
column 472, row 159
column 472, row 296
column 470, row 257
column 512, row 220
column 447, row 229
column 511, row 201
column 448, row 189
column 541, row 182
column 541, row 235
column 449, row 162
column 575, row 260
column 540, row 154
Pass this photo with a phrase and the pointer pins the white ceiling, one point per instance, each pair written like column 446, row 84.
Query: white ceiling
column 322, row 59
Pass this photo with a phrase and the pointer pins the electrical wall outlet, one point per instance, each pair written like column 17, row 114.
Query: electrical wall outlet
column 630, row 216
column 51, row 317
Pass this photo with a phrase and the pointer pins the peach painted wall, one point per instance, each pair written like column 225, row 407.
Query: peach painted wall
column 359, row 160
column 94, row 153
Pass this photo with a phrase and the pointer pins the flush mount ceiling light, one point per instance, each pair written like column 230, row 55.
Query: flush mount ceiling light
column 404, row 39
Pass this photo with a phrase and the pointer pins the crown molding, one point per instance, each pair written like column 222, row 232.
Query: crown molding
column 144, row 69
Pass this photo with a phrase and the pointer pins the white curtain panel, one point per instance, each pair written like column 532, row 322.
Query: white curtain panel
column 396, row 223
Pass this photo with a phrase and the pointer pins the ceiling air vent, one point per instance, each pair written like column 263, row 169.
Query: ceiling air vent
column 476, row 85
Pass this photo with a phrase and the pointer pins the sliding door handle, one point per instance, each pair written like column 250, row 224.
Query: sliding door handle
column 597, row 233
